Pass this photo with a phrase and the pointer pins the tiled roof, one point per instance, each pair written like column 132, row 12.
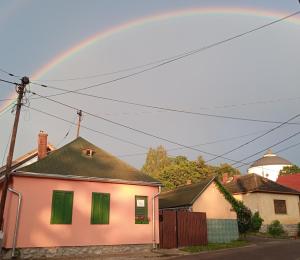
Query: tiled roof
column 256, row 183
column 183, row 196
column 25, row 158
column 72, row 160
column 270, row 159
column 291, row 181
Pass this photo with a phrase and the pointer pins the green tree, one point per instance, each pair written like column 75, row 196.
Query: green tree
column 180, row 171
column 226, row 168
column 156, row 160
column 289, row 170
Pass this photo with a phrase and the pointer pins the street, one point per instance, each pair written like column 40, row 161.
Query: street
column 275, row 250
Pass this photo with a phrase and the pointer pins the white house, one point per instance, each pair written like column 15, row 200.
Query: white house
column 269, row 166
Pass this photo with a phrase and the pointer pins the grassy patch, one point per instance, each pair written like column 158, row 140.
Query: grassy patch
column 267, row 235
column 215, row 246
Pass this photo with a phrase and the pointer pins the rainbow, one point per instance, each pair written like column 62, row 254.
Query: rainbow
column 81, row 46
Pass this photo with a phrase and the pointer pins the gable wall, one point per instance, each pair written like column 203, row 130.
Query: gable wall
column 214, row 204
column 35, row 228
column 264, row 203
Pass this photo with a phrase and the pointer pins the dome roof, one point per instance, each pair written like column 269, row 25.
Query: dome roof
column 270, row 159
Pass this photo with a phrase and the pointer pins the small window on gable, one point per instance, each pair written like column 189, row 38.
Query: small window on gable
column 141, row 210
column 88, row 152
column 280, row 207
column 62, row 207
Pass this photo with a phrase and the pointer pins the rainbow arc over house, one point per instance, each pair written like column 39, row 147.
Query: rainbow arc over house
column 176, row 14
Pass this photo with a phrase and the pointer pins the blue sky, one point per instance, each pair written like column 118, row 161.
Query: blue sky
column 262, row 67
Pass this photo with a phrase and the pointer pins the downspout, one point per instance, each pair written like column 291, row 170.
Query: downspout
column 153, row 218
column 17, row 221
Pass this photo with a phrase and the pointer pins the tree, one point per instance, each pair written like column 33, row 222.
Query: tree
column 226, row 168
column 173, row 172
column 180, row 171
column 289, row 170
column 156, row 160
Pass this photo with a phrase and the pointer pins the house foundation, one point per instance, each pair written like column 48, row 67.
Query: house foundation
column 39, row 252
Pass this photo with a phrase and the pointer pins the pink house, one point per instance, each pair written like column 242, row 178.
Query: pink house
column 83, row 199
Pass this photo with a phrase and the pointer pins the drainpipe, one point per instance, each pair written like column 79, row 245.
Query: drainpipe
column 17, row 220
column 153, row 218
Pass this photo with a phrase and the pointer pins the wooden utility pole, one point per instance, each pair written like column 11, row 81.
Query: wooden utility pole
column 79, row 113
column 20, row 90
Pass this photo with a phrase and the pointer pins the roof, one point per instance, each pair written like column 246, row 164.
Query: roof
column 270, row 159
column 255, row 183
column 291, row 181
column 183, row 196
column 25, row 158
column 72, row 160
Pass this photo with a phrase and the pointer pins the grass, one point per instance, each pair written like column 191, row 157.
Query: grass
column 267, row 235
column 215, row 246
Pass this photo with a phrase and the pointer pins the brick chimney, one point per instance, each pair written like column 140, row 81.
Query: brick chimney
column 225, row 178
column 42, row 145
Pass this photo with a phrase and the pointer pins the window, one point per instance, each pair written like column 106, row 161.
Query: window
column 141, row 210
column 100, row 208
column 62, row 207
column 280, row 207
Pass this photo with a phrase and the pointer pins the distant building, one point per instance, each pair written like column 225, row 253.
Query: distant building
column 269, row 166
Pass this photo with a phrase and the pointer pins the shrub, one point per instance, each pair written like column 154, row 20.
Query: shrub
column 275, row 228
column 256, row 222
column 243, row 213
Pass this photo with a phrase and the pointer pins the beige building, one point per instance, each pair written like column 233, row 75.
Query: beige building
column 272, row 200
column 205, row 197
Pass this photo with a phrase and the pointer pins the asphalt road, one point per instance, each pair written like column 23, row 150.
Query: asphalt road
column 274, row 250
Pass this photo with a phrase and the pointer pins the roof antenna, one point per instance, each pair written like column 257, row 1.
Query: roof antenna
column 79, row 113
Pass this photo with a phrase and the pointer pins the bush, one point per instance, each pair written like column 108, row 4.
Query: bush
column 275, row 228
column 256, row 222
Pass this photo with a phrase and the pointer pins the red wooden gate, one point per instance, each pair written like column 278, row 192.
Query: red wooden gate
column 182, row 228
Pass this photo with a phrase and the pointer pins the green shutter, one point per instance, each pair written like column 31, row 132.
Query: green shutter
column 62, row 206
column 100, row 208
column 141, row 213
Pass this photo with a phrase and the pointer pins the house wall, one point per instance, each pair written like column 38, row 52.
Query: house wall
column 35, row 228
column 214, row 204
column 268, row 171
column 264, row 203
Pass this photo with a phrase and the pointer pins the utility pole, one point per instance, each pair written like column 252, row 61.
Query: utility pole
column 20, row 90
column 79, row 113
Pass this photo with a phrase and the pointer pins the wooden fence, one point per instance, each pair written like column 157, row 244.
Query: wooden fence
column 182, row 228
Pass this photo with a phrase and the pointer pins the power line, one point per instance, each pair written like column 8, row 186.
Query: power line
column 170, row 59
column 201, row 144
column 287, row 148
column 85, row 127
column 136, row 130
column 174, row 109
column 10, row 74
column 10, row 82
column 269, row 147
column 256, row 138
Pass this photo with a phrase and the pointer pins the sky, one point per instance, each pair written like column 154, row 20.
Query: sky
column 255, row 76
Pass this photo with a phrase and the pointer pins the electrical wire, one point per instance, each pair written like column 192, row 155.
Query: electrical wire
column 85, row 127
column 201, row 144
column 269, row 147
column 134, row 129
column 176, row 110
column 287, row 148
column 256, row 138
column 170, row 59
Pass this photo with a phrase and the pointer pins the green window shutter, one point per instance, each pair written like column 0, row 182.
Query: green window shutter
column 141, row 212
column 62, row 207
column 100, row 208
